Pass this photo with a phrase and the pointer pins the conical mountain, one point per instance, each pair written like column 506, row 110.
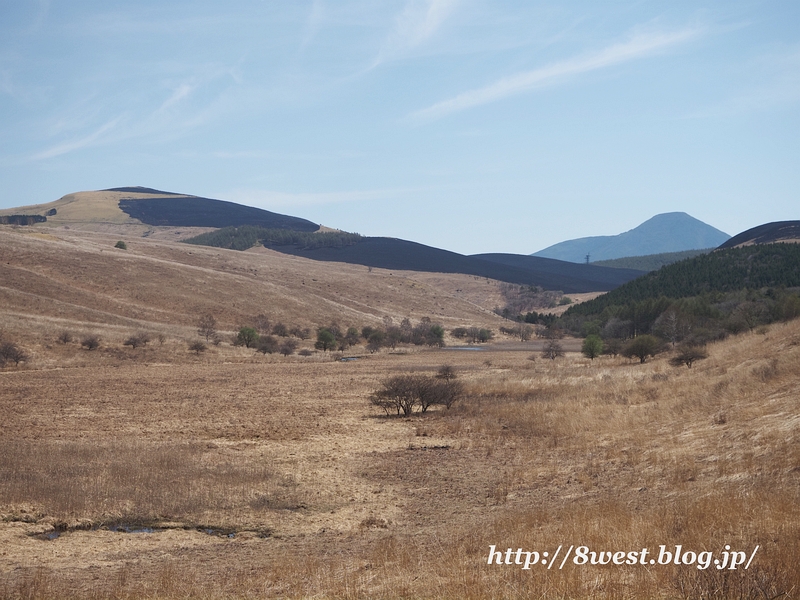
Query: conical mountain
column 667, row 232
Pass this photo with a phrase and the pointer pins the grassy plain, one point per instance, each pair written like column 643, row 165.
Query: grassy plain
column 156, row 473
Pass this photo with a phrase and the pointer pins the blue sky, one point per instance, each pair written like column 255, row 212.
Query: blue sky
column 471, row 125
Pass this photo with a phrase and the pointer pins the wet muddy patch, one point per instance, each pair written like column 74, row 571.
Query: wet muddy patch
column 148, row 528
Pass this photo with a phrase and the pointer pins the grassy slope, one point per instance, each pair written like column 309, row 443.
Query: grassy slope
column 81, row 281
column 610, row 454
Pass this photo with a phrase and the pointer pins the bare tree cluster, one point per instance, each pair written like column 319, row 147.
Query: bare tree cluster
column 138, row 339
column 520, row 299
column 403, row 394
column 91, row 341
column 11, row 352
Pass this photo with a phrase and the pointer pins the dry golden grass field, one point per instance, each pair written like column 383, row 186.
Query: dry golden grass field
column 156, row 472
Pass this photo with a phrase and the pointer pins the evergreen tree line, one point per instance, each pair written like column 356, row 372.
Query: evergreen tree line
column 697, row 300
column 247, row 236
column 729, row 270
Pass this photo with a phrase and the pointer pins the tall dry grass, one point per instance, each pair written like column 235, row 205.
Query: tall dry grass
column 86, row 484
column 607, row 454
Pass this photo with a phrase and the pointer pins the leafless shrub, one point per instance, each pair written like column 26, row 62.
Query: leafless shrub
column 300, row 332
column 768, row 371
column 553, row 349
column 305, row 352
column 91, row 342
column 65, row 337
column 403, row 393
column 288, row 347
column 11, row 352
column 262, row 323
column 267, row 344
column 198, row 347
column 207, row 326
column 136, row 340
column 688, row 355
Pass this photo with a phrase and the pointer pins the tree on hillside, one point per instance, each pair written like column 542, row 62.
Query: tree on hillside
column 267, row 344
column 207, row 326
column 288, row 347
column 613, row 346
column 136, row 340
column 552, row 349
column 10, row 352
column 375, row 340
column 352, row 336
column 326, row 340
column 592, row 346
column 300, row 332
column 642, row 347
column 90, row 342
column 523, row 331
column 452, row 389
column 262, row 323
column 671, row 326
column 687, row 355
column 402, row 393
column 197, row 347
column 247, row 337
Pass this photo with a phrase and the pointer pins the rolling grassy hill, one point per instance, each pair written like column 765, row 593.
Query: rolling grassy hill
column 149, row 212
column 155, row 208
column 56, row 279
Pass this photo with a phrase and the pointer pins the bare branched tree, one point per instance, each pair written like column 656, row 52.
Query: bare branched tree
column 207, row 326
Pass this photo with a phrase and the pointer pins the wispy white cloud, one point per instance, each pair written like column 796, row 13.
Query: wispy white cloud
column 639, row 46
column 92, row 139
column 190, row 103
column 314, row 22
column 182, row 91
column 417, row 23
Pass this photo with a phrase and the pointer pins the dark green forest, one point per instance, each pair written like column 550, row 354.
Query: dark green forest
column 247, row 236
column 702, row 298
column 650, row 262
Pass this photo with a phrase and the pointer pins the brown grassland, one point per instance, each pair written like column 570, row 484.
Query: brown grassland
column 156, row 472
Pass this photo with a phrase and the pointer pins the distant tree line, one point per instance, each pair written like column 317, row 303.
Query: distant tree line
column 426, row 332
column 521, row 299
column 247, row 236
column 686, row 305
column 722, row 271
column 21, row 219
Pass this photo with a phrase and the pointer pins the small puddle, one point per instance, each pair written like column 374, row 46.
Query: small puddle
column 54, row 534
column 218, row 532
column 128, row 528
column 468, row 348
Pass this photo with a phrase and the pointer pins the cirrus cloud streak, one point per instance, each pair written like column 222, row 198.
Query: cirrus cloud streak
column 639, row 46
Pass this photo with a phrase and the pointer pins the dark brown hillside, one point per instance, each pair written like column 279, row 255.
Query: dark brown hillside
column 391, row 253
column 769, row 233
